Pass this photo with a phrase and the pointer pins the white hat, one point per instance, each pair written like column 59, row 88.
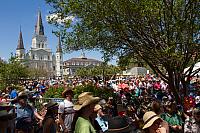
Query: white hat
column 149, row 118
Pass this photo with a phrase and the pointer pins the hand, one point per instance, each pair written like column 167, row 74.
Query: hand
column 161, row 130
column 65, row 130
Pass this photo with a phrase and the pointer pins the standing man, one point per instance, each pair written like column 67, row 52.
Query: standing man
column 26, row 114
column 66, row 111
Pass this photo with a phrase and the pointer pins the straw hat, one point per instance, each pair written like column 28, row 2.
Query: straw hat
column 97, row 107
column 149, row 118
column 84, row 99
column 118, row 124
column 67, row 91
column 4, row 108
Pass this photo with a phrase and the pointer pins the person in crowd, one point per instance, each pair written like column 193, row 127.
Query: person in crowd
column 132, row 118
column 49, row 124
column 84, row 107
column 7, row 118
column 192, row 123
column 172, row 117
column 100, row 118
column 13, row 92
column 111, row 104
column 118, row 124
column 66, row 111
column 26, row 114
column 152, row 123
column 157, row 86
column 158, row 109
column 142, row 86
column 150, row 86
column 5, row 97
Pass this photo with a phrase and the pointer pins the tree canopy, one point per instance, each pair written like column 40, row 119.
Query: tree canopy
column 12, row 72
column 163, row 33
column 102, row 70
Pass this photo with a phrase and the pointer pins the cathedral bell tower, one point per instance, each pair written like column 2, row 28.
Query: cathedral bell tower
column 59, row 60
column 39, row 40
column 20, row 51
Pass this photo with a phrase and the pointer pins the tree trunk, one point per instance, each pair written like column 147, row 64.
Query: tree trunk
column 174, row 87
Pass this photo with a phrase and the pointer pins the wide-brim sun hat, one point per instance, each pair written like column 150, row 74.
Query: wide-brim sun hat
column 149, row 118
column 118, row 124
column 84, row 99
column 4, row 109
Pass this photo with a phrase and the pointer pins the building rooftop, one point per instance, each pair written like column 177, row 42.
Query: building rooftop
column 82, row 60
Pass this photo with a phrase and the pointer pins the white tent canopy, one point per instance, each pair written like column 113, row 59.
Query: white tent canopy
column 196, row 66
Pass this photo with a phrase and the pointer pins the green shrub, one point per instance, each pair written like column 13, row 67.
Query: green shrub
column 54, row 92
column 96, row 91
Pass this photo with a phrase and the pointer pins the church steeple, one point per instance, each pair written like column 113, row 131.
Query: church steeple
column 59, row 48
column 39, row 29
column 20, row 41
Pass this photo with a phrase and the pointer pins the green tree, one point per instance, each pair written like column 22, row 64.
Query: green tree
column 12, row 72
column 161, row 32
column 35, row 73
column 97, row 71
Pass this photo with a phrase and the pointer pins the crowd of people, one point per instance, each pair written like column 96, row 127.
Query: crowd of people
column 138, row 104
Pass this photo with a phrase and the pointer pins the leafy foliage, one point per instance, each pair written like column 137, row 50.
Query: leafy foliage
column 96, row 91
column 12, row 72
column 35, row 73
column 97, row 71
column 163, row 33
column 100, row 92
column 54, row 92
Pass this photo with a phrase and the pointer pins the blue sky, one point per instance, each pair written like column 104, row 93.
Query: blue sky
column 16, row 13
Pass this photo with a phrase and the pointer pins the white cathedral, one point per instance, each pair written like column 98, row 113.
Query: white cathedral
column 40, row 56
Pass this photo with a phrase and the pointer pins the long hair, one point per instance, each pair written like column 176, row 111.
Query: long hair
column 76, row 115
column 49, row 114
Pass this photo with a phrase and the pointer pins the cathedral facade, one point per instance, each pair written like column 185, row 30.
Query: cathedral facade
column 40, row 56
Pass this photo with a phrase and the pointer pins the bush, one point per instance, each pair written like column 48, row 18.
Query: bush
column 96, row 91
column 54, row 92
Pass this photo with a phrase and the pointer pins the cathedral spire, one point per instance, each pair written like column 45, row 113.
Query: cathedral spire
column 39, row 29
column 59, row 48
column 20, row 41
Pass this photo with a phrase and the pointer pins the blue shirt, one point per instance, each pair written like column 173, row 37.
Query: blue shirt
column 102, row 123
column 13, row 94
column 24, row 112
